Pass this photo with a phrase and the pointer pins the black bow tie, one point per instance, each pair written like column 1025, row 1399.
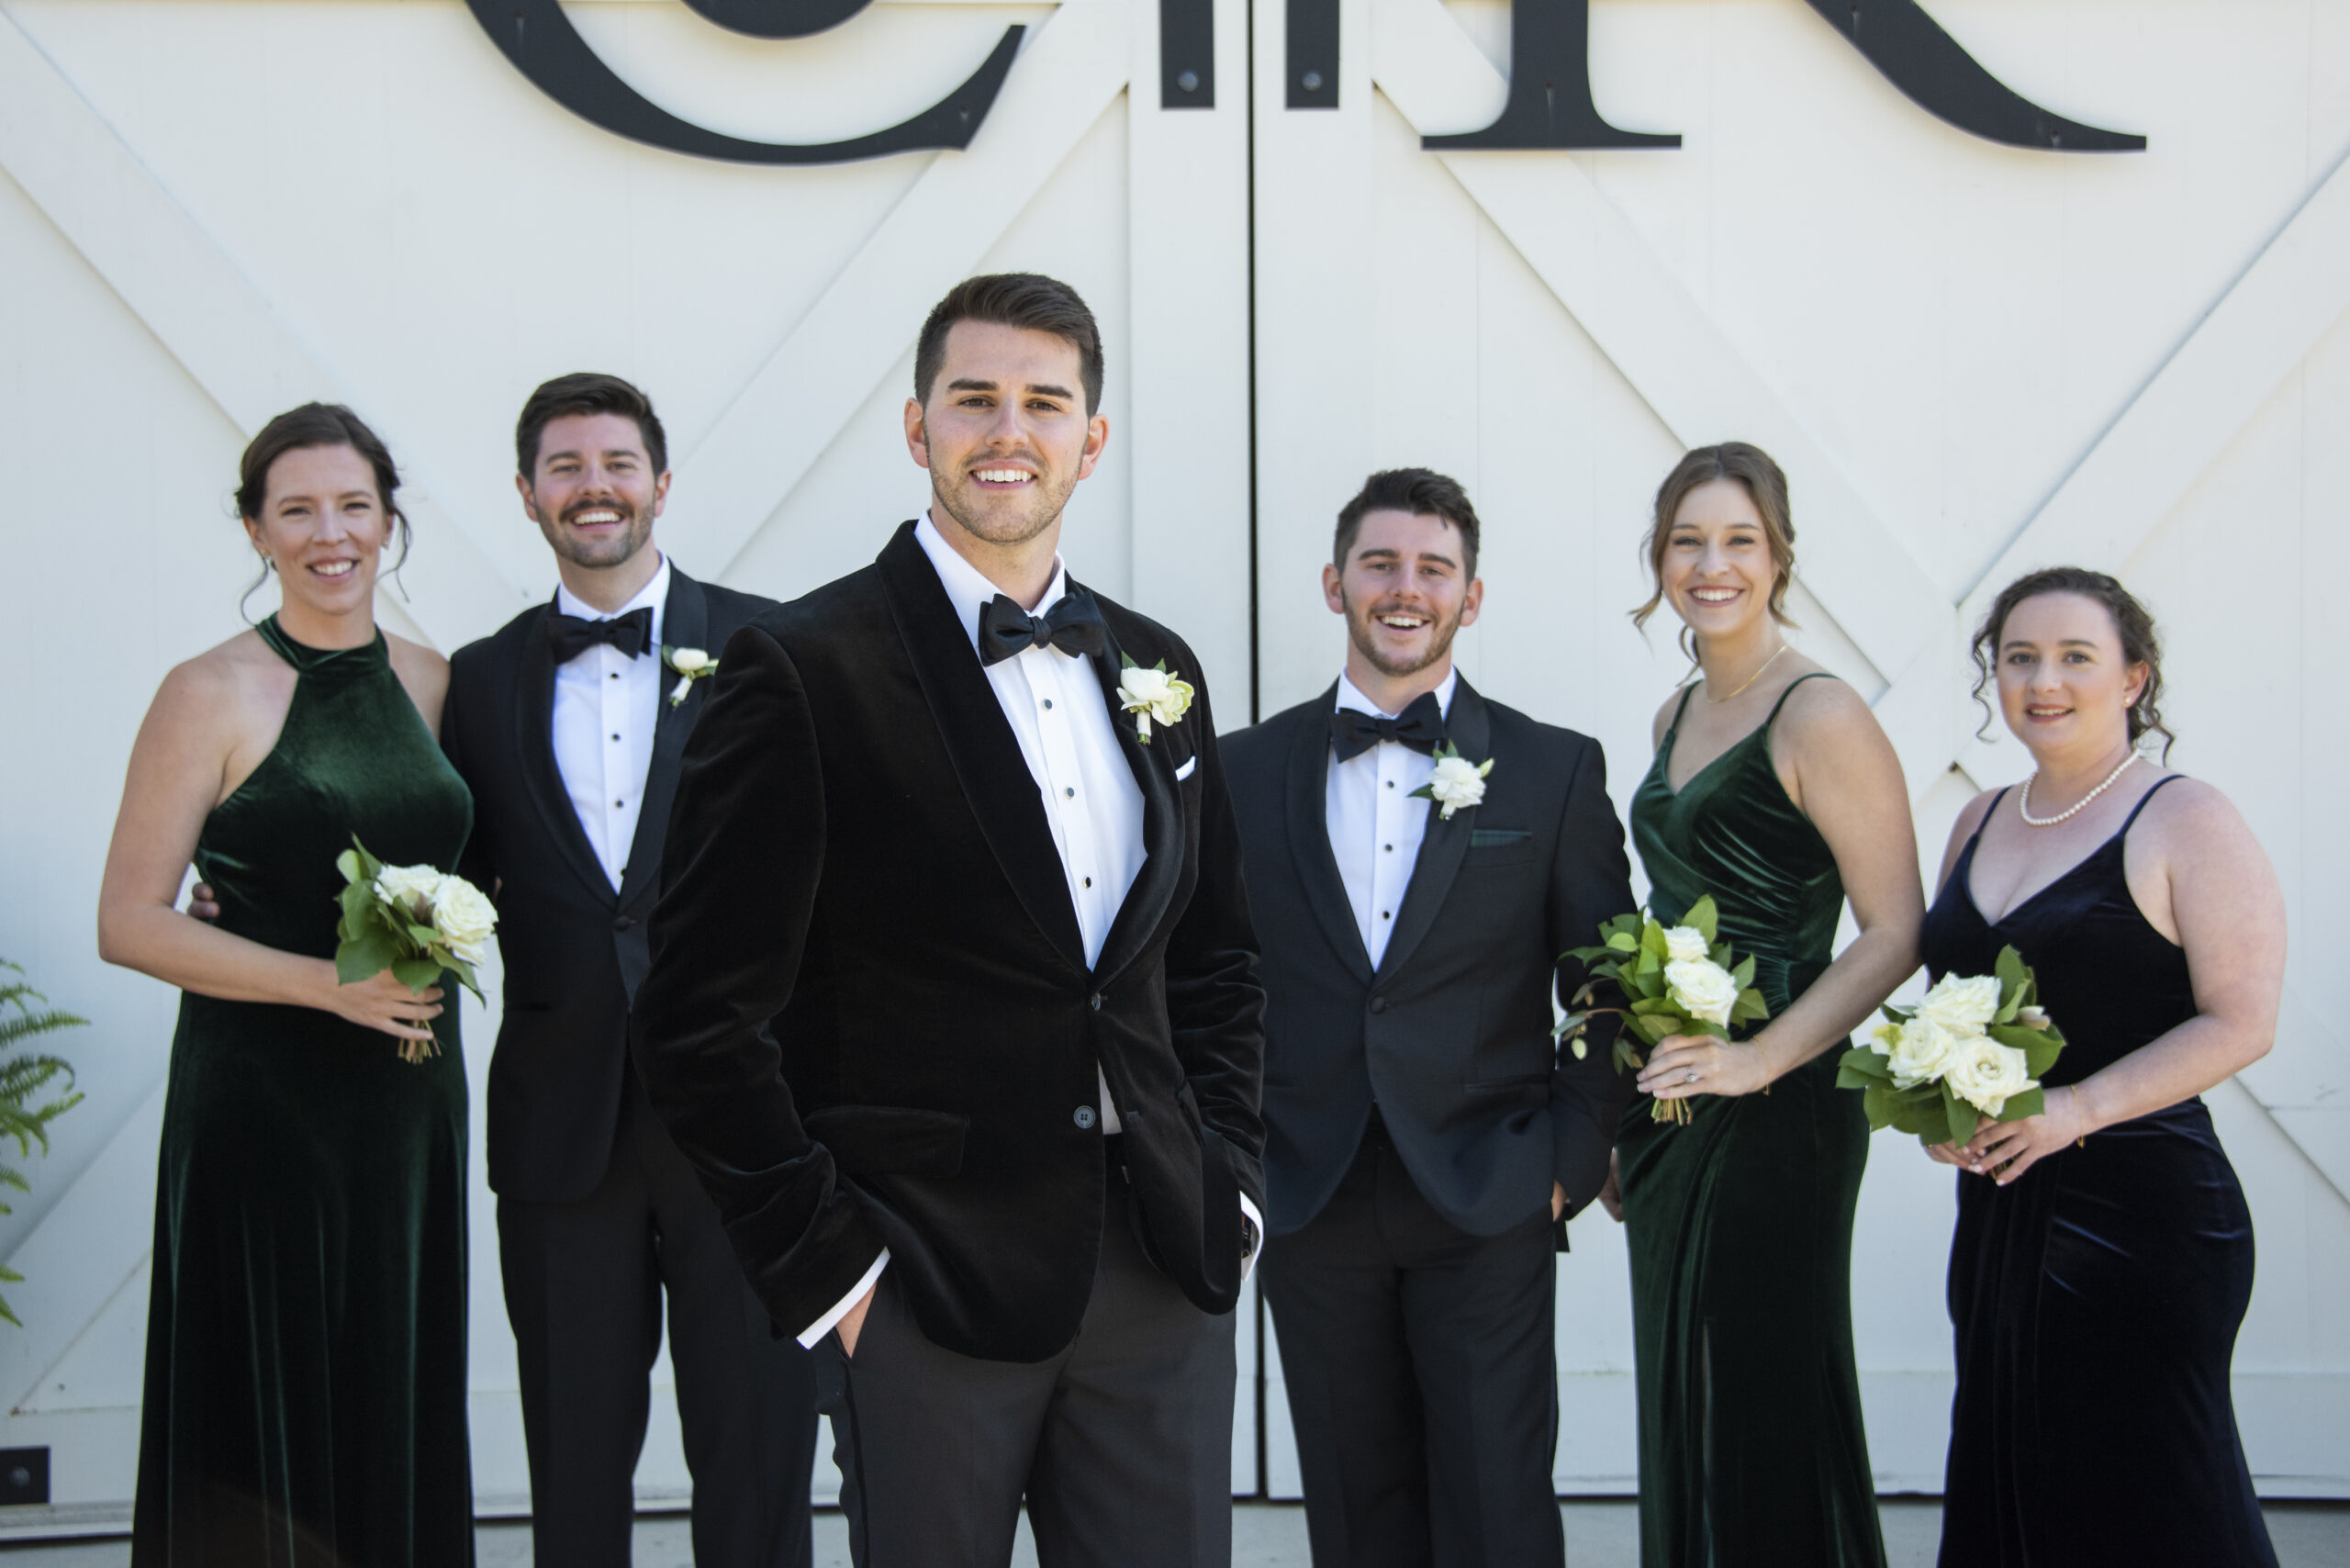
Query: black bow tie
column 570, row 636
column 1419, row 726
column 1074, row 626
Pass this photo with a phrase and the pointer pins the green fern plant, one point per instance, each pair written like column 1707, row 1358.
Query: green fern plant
column 25, row 1014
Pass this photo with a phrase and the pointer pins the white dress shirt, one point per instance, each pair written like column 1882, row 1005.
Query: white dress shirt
column 1375, row 825
column 1061, row 717
column 606, row 705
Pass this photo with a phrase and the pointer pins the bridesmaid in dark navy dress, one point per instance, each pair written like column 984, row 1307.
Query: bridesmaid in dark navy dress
column 2103, row 1259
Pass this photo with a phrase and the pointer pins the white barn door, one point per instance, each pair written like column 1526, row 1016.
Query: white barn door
column 213, row 209
column 1971, row 358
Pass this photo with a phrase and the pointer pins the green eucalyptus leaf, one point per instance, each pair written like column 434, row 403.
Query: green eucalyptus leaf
column 1879, row 1103
column 417, row 974
column 1963, row 1117
column 368, row 955
column 1702, row 918
column 2031, row 1103
column 1743, row 975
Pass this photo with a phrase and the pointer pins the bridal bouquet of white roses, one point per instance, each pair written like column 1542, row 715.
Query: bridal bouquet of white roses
column 1676, row 980
column 1977, row 1046
column 412, row 919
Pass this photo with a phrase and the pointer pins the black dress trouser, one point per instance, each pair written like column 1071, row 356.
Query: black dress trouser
column 1423, row 1377
column 585, row 1283
column 1122, row 1443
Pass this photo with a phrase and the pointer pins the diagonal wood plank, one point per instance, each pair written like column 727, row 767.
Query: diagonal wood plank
column 248, row 359
column 2140, row 465
column 1678, row 357
column 800, row 400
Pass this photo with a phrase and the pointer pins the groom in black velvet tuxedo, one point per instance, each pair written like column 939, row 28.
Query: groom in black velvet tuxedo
column 954, row 1004
column 568, row 724
column 1425, row 1140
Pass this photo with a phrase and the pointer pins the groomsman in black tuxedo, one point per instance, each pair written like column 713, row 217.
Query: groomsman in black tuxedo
column 954, row 1002
column 1425, row 1140
column 568, row 724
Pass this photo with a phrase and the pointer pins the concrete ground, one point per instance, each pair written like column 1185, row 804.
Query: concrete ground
column 1273, row 1535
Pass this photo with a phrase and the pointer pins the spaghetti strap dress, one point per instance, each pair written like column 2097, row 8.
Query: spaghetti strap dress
column 1739, row 1223
column 2095, row 1299
column 305, row 1399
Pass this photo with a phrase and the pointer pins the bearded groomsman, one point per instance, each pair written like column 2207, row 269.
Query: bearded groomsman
column 568, row 724
column 1424, row 1137
column 954, row 1002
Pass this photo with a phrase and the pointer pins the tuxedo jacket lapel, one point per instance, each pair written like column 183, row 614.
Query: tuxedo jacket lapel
column 979, row 742
column 1309, row 837
column 1470, row 730
column 685, row 623
column 534, row 745
column 1162, row 823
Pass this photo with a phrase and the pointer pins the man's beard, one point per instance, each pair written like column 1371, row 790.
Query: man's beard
column 636, row 532
column 1043, row 508
column 1359, row 628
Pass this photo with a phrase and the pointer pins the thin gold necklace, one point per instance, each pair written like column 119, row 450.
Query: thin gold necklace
column 1750, row 679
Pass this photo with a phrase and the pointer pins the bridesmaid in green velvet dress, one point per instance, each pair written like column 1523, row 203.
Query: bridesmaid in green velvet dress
column 305, row 1336
column 1774, row 791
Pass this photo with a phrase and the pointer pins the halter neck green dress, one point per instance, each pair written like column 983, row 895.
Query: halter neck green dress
column 306, row 1333
column 1740, row 1224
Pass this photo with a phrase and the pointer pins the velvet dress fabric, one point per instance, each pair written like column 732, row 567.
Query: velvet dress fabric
column 2095, row 1299
column 1739, row 1223
column 305, row 1401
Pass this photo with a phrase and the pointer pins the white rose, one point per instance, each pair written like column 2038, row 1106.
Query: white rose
column 1885, row 1038
column 408, row 889
column 463, row 918
column 690, row 661
column 1684, row 943
column 1153, row 694
column 1964, row 1004
column 1702, row 989
column 1986, row 1075
column 1456, row 782
column 1922, row 1052
column 2031, row 1018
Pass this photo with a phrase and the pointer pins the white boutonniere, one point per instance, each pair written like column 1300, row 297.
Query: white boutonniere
column 1152, row 693
column 1456, row 782
column 692, row 664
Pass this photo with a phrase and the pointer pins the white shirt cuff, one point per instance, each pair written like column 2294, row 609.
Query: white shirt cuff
column 1249, row 1264
column 826, row 1324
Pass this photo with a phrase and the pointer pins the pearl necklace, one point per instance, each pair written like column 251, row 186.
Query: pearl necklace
column 2023, row 804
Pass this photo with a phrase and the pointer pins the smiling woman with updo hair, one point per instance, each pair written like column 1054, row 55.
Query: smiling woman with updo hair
column 2103, row 1259
column 305, row 1325
column 1774, row 792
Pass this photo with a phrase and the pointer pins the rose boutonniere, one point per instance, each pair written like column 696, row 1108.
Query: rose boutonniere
column 1456, row 782
column 1152, row 693
column 692, row 664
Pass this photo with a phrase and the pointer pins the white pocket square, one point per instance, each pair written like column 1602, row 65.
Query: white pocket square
column 1185, row 771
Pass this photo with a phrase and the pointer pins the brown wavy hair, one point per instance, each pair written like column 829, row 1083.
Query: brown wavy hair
column 1765, row 484
column 2132, row 622
column 316, row 424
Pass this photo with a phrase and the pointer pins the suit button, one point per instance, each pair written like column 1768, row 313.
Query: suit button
column 623, row 922
column 1379, row 1004
column 1083, row 1116
column 1094, row 1002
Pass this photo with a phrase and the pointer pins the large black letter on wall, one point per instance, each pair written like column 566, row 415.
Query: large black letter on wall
column 1945, row 81
column 1550, row 86
column 543, row 44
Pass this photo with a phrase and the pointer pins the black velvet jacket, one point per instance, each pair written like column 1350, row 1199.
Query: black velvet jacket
column 1452, row 1031
column 870, row 1021
column 575, row 950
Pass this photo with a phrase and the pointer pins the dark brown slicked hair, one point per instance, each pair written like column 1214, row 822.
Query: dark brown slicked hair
column 1028, row 300
column 2140, row 644
column 1423, row 492
column 1765, row 484
column 313, row 425
column 586, row 392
